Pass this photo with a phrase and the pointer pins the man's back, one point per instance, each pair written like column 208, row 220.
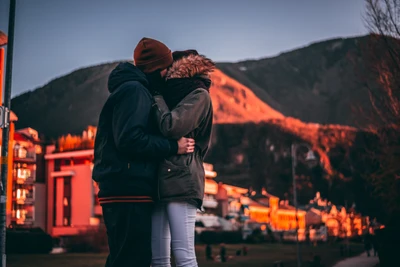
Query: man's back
column 127, row 150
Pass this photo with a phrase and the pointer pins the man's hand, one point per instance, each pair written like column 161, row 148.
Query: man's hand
column 185, row 146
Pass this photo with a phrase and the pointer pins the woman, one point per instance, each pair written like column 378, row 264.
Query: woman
column 184, row 109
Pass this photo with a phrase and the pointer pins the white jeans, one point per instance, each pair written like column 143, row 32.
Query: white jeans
column 173, row 224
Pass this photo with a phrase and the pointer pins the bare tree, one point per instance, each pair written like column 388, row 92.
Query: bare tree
column 383, row 65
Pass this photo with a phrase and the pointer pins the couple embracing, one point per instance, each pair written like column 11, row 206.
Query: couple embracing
column 153, row 133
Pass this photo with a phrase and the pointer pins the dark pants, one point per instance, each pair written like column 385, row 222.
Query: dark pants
column 129, row 234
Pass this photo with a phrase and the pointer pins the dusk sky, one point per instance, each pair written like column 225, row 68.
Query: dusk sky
column 55, row 37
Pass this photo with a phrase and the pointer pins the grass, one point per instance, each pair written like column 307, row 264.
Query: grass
column 263, row 255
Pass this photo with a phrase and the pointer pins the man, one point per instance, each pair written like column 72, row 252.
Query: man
column 127, row 151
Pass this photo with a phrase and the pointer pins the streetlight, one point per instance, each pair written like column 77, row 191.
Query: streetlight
column 3, row 110
column 311, row 160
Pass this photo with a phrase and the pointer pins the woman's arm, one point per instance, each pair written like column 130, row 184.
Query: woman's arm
column 185, row 117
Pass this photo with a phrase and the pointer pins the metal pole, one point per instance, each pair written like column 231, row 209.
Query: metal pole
column 6, row 133
column 294, row 162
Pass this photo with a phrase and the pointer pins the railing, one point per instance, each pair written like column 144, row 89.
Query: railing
column 28, row 156
column 24, row 174
column 22, row 216
column 25, row 179
column 24, row 196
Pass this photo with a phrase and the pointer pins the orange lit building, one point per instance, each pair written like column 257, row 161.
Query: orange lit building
column 278, row 214
column 28, row 186
column 25, row 193
column 265, row 208
column 338, row 220
column 71, row 193
column 72, row 204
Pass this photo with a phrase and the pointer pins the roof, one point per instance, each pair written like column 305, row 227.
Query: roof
column 265, row 195
column 20, row 137
column 287, row 207
column 70, row 154
column 13, row 117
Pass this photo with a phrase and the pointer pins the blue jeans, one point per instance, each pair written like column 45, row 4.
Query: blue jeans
column 173, row 225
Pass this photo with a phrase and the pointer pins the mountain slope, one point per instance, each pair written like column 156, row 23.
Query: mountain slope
column 70, row 103
column 319, row 83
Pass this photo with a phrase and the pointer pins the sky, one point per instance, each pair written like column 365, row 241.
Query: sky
column 55, row 37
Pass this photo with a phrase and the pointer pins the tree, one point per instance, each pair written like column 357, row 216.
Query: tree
column 383, row 65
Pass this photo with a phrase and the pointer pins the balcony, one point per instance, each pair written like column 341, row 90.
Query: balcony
column 24, row 175
column 23, row 216
column 23, row 196
column 24, row 154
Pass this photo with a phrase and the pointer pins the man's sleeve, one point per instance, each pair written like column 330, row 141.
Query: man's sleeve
column 129, row 122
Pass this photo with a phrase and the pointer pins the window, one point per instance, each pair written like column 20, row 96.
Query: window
column 22, row 193
column 22, row 153
column 67, row 202
column 23, row 173
column 64, row 212
column 57, row 165
column 22, row 214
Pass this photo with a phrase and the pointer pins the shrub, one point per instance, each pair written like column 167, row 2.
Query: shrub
column 33, row 241
column 256, row 237
column 91, row 240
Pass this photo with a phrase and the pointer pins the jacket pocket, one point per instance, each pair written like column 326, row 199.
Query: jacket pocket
column 174, row 180
column 137, row 169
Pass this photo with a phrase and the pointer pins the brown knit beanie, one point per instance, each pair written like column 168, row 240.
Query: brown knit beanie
column 151, row 55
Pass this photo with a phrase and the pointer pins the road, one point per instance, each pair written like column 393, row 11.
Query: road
column 361, row 260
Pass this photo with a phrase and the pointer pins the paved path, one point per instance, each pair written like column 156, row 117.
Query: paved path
column 361, row 260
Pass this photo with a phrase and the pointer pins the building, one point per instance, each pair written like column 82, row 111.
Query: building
column 277, row 213
column 341, row 222
column 72, row 204
column 25, row 180
column 27, row 187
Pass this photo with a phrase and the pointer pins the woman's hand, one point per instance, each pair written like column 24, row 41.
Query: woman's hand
column 185, row 145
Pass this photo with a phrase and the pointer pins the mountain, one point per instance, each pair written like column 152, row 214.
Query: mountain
column 320, row 83
column 317, row 84
column 70, row 103
column 251, row 111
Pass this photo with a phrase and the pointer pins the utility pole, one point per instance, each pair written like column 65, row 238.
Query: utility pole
column 310, row 159
column 294, row 163
column 6, row 133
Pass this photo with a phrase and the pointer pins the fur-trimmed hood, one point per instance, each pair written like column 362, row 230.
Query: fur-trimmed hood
column 190, row 66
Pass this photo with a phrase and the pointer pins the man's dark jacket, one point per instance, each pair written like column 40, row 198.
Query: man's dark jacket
column 128, row 146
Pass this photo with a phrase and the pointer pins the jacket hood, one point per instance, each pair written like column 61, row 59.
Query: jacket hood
column 190, row 66
column 125, row 72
